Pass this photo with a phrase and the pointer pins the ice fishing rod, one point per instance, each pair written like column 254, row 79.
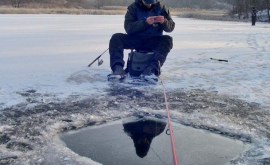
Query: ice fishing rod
column 219, row 59
column 175, row 161
column 99, row 61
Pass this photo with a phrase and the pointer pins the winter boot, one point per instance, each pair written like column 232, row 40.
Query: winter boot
column 118, row 74
column 149, row 75
column 118, row 70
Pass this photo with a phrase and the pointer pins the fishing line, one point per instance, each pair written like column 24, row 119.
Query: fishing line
column 158, row 156
column 153, row 149
column 169, row 119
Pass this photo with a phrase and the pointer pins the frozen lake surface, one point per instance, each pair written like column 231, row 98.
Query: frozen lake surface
column 46, row 87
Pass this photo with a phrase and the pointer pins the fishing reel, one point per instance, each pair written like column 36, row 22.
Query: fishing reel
column 100, row 62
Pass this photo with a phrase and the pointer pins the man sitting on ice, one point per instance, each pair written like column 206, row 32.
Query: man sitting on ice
column 145, row 22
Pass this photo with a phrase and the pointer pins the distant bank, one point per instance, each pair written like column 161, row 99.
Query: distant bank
column 220, row 15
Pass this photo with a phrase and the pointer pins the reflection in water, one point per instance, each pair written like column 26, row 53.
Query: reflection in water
column 109, row 144
column 142, row 131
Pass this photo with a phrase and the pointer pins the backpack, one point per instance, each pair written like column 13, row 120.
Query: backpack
column 138, row 61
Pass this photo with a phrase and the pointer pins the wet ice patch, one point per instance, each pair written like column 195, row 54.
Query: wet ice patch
column 200, row 109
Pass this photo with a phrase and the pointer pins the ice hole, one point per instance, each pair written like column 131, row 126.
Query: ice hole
column 143, row 141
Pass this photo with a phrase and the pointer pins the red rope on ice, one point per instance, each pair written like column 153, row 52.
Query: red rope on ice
column 175, row 161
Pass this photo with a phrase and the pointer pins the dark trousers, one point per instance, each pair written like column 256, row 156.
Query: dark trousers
column 253, row 19
column 160, row 45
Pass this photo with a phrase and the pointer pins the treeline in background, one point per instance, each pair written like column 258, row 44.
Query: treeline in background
column 234, row 8
column 202, row 4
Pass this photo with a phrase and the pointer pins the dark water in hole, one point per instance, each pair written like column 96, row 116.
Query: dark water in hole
column 143, row 141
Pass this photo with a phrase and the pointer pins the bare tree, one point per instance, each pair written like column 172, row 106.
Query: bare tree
column 267, row 2
column 242, row 7
column 207, row 4
column 16, row 3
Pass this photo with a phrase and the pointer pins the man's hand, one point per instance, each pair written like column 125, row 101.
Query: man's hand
column 155, row 19
column 150, row 20
column 159, row 19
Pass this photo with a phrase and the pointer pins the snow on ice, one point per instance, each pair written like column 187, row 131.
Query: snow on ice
column 46, row 86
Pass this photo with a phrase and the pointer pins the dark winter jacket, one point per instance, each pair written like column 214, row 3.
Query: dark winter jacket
column 254, row 12
column 135, row 19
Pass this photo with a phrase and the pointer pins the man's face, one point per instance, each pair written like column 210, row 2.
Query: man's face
column 147, row 5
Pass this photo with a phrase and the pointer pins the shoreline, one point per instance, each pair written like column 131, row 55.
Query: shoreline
column 201, row 14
